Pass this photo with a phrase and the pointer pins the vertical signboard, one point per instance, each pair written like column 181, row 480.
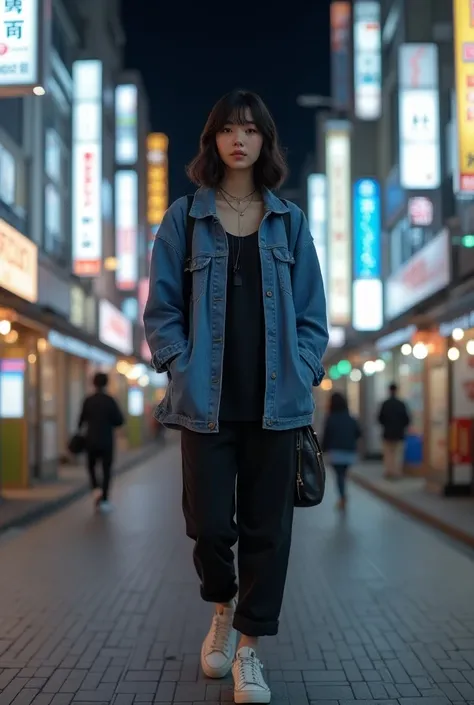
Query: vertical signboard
column 23, row 38
column 340, row 54
column 367, row 300
column 157, row 177
column 115, row 329
column 338, row 172
column 464, row 63
column 126, row 229
column 87, row 168
column 419, row 117
column 126, row 141
column 367, row 60
column 317, row 218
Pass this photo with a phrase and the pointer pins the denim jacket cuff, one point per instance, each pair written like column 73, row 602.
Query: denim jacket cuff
column 161, row 358
column 316, row 366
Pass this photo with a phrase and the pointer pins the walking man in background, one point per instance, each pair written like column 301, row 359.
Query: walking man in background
column 394, row 419
column 101, row 415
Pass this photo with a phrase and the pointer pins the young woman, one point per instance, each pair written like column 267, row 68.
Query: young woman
column 341, row 435
column 242, row 354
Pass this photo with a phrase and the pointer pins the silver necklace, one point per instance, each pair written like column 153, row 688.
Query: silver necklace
column 237, row 277
column 236, row 198
column 231, row 205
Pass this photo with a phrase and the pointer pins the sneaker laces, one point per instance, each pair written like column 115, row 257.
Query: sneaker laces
column 221, row 634
column 250, row 669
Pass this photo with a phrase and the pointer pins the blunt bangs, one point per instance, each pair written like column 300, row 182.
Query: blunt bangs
column 234, row 109
column 207, row 168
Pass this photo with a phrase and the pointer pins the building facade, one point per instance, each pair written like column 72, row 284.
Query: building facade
column 63, row 312
column 409, row 220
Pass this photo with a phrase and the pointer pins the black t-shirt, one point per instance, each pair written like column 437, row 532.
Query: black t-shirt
column 101, row 414
column 243, row 381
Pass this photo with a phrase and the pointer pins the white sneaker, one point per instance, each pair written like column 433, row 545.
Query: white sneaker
column 218, row 649
column 249, row 684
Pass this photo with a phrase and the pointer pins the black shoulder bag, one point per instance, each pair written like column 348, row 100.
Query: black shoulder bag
column 310, row 469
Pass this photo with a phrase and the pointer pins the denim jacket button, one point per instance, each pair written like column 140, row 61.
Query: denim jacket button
column 211, row 426
column 269, row 294
column 274, row 375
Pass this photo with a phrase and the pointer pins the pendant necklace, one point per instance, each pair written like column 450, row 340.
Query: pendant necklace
column 234, row 198
column 237, row 276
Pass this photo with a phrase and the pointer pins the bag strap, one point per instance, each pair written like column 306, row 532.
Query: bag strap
column 188, row 277
column 189, row 228
column 287, row 222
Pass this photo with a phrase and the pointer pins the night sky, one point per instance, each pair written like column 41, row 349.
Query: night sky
column 190, row 52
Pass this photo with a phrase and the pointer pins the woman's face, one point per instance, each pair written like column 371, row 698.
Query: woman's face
column 239, row 146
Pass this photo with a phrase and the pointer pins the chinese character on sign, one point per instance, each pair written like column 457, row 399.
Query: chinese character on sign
column 470, row 160
column 11, row 5
column 420, row 210
column 23, row 68
column 14, row 29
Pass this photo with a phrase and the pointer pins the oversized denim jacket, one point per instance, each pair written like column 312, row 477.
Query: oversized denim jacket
column 294, row 308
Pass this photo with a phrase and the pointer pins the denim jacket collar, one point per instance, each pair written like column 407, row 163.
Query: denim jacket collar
column 204, row 203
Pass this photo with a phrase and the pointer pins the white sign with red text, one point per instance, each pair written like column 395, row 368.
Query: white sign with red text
column 87, row 169
column 338, row 170
column 126, row 229
column 115, row 329
column 426, row 273
column 87, row 223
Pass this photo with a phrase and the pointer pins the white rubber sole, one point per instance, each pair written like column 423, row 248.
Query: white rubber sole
column 224, row 670
column 246, row 697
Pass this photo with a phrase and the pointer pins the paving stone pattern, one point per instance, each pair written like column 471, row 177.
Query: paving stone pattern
column 93, row 609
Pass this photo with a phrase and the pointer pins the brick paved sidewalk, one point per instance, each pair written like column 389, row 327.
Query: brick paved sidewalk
column 105, row 609
column 25, row 506
column 452, row 515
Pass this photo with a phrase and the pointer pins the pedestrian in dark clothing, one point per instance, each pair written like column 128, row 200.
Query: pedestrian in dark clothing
column 340, row 437
column 394, row 418
column 101, row 415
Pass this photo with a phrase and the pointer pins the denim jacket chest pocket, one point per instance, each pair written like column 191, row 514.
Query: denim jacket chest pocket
column 284, row 262
column 199, row 268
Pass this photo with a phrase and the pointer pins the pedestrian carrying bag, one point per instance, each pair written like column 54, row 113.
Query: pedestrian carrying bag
column 310, row 480
column 77, row 444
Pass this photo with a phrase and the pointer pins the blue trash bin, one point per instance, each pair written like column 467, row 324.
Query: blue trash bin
column 413, row 449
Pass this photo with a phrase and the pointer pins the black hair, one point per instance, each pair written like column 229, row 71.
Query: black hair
column 338, row 403
column 207, row 168
column 393, row 388
column 100, row 380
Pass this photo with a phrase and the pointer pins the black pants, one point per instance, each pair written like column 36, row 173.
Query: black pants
column 341, row 477
column 262, row 465
column 105, row 455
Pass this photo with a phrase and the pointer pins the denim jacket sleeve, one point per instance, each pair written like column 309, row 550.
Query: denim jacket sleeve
column 309, row 301
column 164, row 311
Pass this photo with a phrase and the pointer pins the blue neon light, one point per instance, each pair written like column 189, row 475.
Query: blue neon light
column 367, row 230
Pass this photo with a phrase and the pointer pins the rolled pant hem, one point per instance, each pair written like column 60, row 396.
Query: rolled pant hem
column 249, row 627
column 219, row 598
